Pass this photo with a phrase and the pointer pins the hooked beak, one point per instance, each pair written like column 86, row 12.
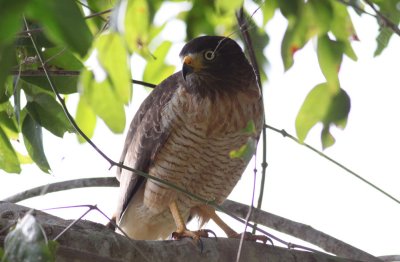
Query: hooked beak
column 188, row 66
column 186, row 70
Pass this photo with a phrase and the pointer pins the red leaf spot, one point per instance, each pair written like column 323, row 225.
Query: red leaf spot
column 294, row 49
column 354, row 37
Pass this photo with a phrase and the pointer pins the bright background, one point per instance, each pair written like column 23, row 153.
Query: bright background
column 300, row 185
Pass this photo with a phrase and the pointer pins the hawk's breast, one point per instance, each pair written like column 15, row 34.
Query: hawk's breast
column 203, row 131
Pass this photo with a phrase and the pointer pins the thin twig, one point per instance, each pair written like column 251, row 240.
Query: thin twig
column 386, row 21
column 285, row 134
column 98, row 13
column 41, row 72
column 243, row 24
column 355, row 7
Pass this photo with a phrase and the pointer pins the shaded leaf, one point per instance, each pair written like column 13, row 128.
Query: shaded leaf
column 27, row 242
column 10, row 19
column 8, row 158
column 48, row 113
column 86, row 119
column 324, row 106
column 63, row 84
column 156, row 70
column 228, row 6
column 199, row 19
column 103, row 100
column 290, row 8
column 63, row 22
column 62, row 58
column 9, row 125
column 7, row 60
column 113, row 56
column 32, row 133
column 390, row 9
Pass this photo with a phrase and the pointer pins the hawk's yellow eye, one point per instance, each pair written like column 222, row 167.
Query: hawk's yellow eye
column 209, row 55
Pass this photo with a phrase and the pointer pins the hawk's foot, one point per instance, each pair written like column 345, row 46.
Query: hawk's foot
column 195, row 235
column 250, row 237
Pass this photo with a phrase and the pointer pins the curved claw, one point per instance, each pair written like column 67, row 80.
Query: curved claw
column 250, row 237
column 207, row 232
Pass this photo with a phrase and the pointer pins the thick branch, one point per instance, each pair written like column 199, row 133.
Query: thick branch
column 299, row 230
column 281, row 224
column 88, row 241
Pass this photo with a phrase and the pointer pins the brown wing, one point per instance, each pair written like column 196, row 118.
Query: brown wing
column 145, row 137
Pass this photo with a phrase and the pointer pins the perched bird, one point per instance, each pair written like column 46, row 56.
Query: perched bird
column 183, row 133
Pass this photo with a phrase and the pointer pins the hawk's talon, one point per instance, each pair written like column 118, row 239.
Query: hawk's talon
column 209, row 231
column 195, row 235
column 250, row 237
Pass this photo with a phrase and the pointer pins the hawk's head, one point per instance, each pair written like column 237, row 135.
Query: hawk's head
column 214, row 61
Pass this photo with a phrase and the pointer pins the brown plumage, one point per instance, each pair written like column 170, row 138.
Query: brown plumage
column 183, row 133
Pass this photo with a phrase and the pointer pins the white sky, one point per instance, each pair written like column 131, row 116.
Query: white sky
column 300, row 185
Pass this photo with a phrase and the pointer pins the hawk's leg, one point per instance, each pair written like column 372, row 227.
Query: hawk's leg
column 228, row 230
column 181, row 230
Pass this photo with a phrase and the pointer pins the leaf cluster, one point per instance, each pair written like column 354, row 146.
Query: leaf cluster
column 86, row 48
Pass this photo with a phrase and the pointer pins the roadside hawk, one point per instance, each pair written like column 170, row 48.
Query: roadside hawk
column 183, row 133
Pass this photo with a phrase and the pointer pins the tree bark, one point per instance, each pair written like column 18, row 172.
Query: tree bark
column 88, row 241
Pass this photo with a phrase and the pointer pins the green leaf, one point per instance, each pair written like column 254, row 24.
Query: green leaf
column 7, row 60
column 343, row 29
column 268, row 9
column 59, row 57
column 63, row 84
column 290, row 8
column 325, row 106
column 330, row 54
column 228, row 6
column 48, row 113
column 199, row 19
column 327, row 138
column 103, row 100
column 10, row 19
column 137, row 23
column 86, row 119
column 32, row 133
column 390, row 9
column 312, row 19
column 246, row 151
column 9, row 125
column 24, row 159
column 250, row 128
column 63, row 22
column 8, row 157
column 156, row 70
column 27, row 242
column 114, row 57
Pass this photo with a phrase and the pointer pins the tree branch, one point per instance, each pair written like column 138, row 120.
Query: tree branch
column 281, row 224
column 300, row 231
column 90, row 242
